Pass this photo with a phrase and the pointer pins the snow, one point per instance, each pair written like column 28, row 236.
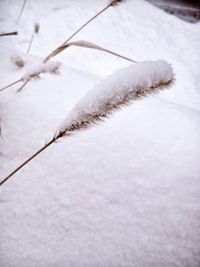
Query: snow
column 130, row 83
column 124, row 193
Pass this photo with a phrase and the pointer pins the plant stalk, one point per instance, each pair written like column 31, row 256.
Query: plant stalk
column 28, row 160
column 59, row 49
column 95, row 47
column 8, row 33
column 54, row 52
column 30, row 43
column 11, row 84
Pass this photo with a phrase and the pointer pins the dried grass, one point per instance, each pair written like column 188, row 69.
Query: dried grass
column 83, row 44
column 86, row 44
column 53, row 53
column 93, row 119
column 18, row 61
column 60, row 48
column 8, row 33
column 35, row 31
column 50, row 67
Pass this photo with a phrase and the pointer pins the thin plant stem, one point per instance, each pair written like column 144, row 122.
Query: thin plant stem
column 18, row 19
column 35, row 31
column 28, row 160
column 57, row 50
column 30, row 43
column 23, row 85
column 85, row 44
column 8, row 33
column 118, row 55
column 53, row 53
column 11, row 84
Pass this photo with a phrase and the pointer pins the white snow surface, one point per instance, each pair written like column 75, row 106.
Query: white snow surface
column 125, row 193
column 116, row 90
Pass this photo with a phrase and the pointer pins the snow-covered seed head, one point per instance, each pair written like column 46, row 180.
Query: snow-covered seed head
column 17, row 61
column 36, row 70
column 36, row 27
column 126, row 85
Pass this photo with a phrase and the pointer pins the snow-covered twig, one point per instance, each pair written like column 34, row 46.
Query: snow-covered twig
column 118, row 90
column 34, row 73
column 35, row 31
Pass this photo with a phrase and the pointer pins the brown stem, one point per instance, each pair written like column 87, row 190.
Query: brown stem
column 2, row 89
column 8, row 33
column 23, row 85
column 28, row 160
column 54, row 52
column 96, row 47
column 118, row 55
column 59, row 49
column 21, row 11
column 30, row 43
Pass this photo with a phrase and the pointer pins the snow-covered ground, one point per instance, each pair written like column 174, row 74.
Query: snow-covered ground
column 125, row 193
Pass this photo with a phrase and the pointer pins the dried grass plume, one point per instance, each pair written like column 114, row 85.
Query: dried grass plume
column 118, row 90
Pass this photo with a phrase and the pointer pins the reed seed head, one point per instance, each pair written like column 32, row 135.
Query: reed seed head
column 36, row 27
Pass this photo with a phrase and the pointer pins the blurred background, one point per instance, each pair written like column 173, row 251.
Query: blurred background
column 186, row 10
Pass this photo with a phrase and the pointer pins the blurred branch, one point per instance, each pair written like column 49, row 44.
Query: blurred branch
column 8, row 33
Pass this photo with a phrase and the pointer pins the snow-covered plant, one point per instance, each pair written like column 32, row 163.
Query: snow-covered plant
column 80, row 43
column 118, row 90
column 125, row 85
column 60, row 48
column 17, row 61
column 34, row 73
